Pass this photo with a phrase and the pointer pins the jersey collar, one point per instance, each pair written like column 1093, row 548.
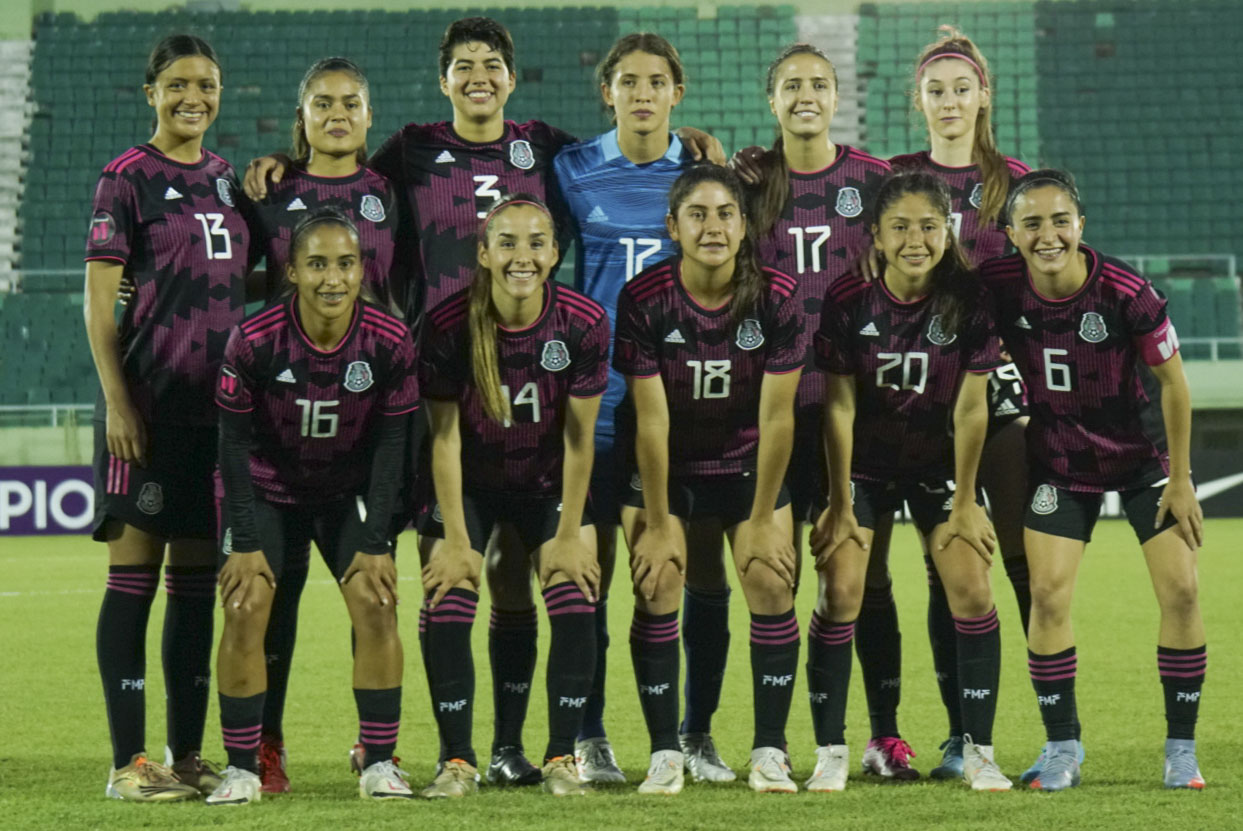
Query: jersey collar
column 611, row 149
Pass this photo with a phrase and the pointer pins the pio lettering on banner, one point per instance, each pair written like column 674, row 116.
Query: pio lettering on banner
column 46, row 500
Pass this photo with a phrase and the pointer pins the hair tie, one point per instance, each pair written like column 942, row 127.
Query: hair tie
column 960, row 56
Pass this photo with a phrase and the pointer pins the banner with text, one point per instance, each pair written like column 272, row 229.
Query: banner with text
column 46, row 500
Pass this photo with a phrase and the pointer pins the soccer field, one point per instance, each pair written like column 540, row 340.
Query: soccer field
column 55, row 758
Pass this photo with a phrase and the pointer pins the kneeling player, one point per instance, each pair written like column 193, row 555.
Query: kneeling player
column 314, row 399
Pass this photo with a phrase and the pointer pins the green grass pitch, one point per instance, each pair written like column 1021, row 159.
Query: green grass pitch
column 55, row 757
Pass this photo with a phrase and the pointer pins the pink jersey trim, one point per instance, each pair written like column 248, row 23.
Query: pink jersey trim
column 881, row 282
column 781, row 282
column 233, row 410
column 386, row 334
column 108, row 257
column 588, row 395
column 782, row 371
column 122, row 161
column 651, row 284
column 649, row 375
column 409, row 409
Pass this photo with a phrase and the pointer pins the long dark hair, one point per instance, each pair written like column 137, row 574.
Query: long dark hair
column 301, row 148
column 483, row 320
column 172, row 49
column 954, row 282
column 649, row 42
column 325, row 216
column 748, row 280
column 774, row 188
column 994, row 173
column 1050, row 177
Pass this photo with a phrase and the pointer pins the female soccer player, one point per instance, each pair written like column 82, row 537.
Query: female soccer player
column 329, row 149
column 514, row 369
column 165, row 217
column 712, row 347
column 905, row 355
column 314, row 396
column 1079, row 324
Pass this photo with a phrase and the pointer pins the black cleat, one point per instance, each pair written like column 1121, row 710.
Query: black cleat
column 510, row 767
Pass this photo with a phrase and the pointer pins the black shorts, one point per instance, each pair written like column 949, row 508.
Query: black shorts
column 285, row 533
column 725, row 498
column 173, row 497
column 1007, row 398
column 535, row 517
column 1072, row 514
column 608, row 482
column 805, row 476
column 929, row 500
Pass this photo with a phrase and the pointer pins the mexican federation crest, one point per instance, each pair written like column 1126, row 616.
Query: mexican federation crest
column 1092, row 328
column 849, row 202
column 371, row 208
column 555, row 356
column 977, row 195
column 151, row 499
column 1044, row 502
column 750, row 335
column 225, row 191
column 521, row 155
column 358, row 376
column 937, row 333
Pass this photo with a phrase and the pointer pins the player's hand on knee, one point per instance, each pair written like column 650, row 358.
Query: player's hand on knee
column 1178, row 499
column 239, row 576
column 658, row 545
column 571, row 557
column 260, row 171
column 379, row 575
column 449, row 565
column 969, row 523
column 763, row 542
column 834, row 527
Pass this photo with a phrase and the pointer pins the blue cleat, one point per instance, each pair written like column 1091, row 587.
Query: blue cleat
column 1181, row 768
column 1061, row 767
column 951, row 760
column 1033, row 773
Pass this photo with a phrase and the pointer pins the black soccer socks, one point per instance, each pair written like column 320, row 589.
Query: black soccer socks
column 829, row 662
column 654, row 651
column 512, row 652
column 1053, row 677
column 379, row 719
column 705, row 640
column 774, row 662
column 120, row 646
column 187, row 644
column 879, row 645
column 1182, row 676
column 451, row 671
column 979, row 671
column 571, row 664
column 241, row 723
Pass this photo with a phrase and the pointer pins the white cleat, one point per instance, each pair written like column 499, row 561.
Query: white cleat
column 237, row 787
column 596, row 762
column 979, row 770
column 384, row 780
column 702, row 760
column 770, row 772
column 664, row 775
column 832, row 764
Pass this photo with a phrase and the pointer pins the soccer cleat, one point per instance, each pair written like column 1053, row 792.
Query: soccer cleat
column 510, row 767
column 195, row 771
column 561, row 777
column 1060, row 769
column 979, row 770
column 702, row 760
column 770, row 772
column 238, row 787
column 145, row 781
column 384, row 780
column 1181, row 768
column 832, row 764
column 664, row 775
column 889, row 757
column 456, row 778
column 596, row 762
column 951, row 760
column 1033, row 773
column 272, row 759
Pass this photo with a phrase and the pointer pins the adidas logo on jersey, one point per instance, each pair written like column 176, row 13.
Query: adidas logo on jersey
column 1006, row 408
column 172, row 193
column 445, row 157
column 675, row 337
column 870, row 329
column 597, row 215
column 1022, row 322
column 286, row 377
column 296, row 205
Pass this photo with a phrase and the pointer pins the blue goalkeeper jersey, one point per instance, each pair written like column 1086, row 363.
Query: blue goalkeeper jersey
column 618, row 212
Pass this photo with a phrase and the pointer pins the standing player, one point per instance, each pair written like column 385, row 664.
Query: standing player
column 906, row 355
column 165, row 218
column 329, row 148
column 1079, row 324
column 314, row 396
column 514, row 368
column 712, row 347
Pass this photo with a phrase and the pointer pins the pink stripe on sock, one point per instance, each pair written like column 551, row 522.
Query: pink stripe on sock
column 140, row 592
column 1196, row 674
column 581, row 609
column 977, row 625
column 556, row 592
column 379, row 736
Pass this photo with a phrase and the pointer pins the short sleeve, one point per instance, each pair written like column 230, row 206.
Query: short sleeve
column 388, row 161
column 634, row 351
column 833, row 350
column 590, row 370
column 441, row 374
column 235, row 382
column 787, row 346
column 114, row 219
column 1151, row 330
column 402, row 394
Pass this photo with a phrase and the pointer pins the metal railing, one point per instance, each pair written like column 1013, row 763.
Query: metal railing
column 45, row 415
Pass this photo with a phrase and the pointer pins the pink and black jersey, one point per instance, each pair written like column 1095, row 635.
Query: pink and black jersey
column 711, row 367
column 563, row 354
column 821, row 232
column 314, row 414
column 907, row 368
column 1093, row 427
column 364, row 196
column 448, row 184
column 184, row 243
column 967, row 190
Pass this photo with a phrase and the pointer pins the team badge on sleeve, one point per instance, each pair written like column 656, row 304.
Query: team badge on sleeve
column 521, row 155
column 849, row 202
column 103, row 228
column 977, row 195
column 151, row 499
column 225, row 191
column 372, row 208
column 1045, row 500
column 750, row 335
column 555, row 356
column 358, row 376
column 1092, row 328
column 228, row 382
column 937, row 333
